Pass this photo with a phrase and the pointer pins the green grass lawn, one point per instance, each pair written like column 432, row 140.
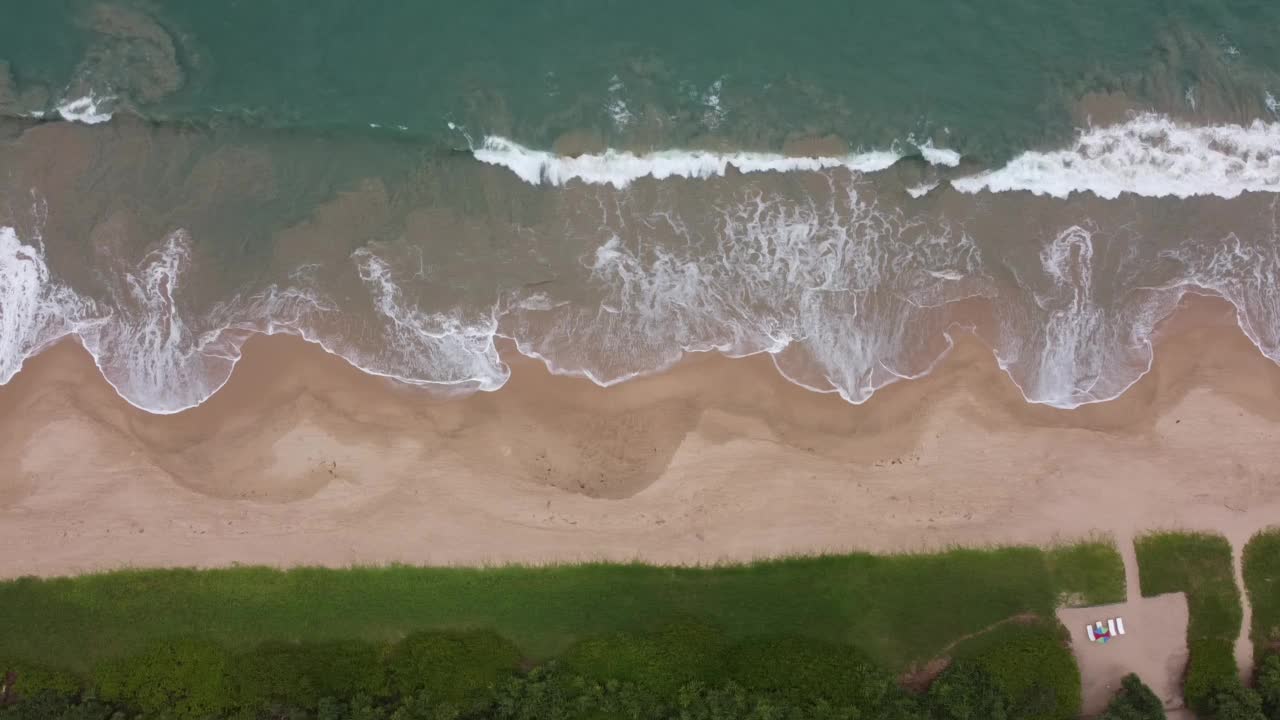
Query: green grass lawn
column 1262, row 579
column 899, row 610
column 1199, row 565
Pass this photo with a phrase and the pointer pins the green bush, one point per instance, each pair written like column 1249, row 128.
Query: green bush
column 1268, row 685
column 50, row 705
column 1032, row 663
column 23, row 679
column 966, row 691
column 662, row 661
column 1135, row 701
column 183, row 678
column 1212, row 667
column 1017, row 672
column 299, row 675
column 1234, row 701
column 454, row 667
column 799, row 671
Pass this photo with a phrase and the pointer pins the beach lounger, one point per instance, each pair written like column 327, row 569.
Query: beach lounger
column 1120, row 626
column 1089, row 629
column 1111, row 627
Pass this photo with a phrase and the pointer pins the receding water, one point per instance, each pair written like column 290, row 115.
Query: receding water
column 615, row 184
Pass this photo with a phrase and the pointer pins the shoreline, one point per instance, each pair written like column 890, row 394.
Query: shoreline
column 304, row 460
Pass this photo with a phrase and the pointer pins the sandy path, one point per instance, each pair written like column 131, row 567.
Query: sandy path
column 1244, row 643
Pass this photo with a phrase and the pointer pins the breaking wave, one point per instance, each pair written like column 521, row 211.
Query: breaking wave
column 89, row 109
column 845, row 294
column 1149, row 155
column 621, row 168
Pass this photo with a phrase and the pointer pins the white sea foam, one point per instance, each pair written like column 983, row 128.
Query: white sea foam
column 157, row 354
column 621, row 168
column 87, row 109
column 715, row 114
column 1064, row 346
column 1148, row 155
column 846, row 296
column 424, row 347
column 617, row 105
column 945, row 157
column 924, row 188
column 34, row 310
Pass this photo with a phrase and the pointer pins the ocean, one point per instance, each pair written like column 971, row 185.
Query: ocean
column 612, row 185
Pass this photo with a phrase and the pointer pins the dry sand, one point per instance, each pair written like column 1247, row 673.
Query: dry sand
column 301, row 459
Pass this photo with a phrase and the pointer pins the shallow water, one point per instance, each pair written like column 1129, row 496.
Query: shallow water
column 612, row 187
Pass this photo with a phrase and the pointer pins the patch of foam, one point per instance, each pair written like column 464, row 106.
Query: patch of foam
column 148, row 349
column 715, row 114
column 87, row 109
column 938, row 156
column 1245, row 272
column 34, row 310
column 1148, row 155
column 426, row 348
column 847, row 296
column 1063, row 346
column 617, row 105
column 621, row 168
column 924, row 188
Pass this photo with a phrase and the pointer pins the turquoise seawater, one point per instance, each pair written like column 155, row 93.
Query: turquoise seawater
column 986, row 77
column 845, row 186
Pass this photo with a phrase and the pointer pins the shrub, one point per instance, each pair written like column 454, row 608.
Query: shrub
column 1212, row 667
column 966, row 691
column 1268, row 684
column 540, row 695
column 23, row 679
column 184, row 678
column 1032, row 664
column 1234, row 702
column 661, row 662
column 802, row 671
column 453, row 667
column 1135, row 701
column 298, row 675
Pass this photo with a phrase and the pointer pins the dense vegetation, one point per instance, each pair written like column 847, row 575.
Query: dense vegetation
column 797, row 638
column 687, row 671
column 1262, row 580
column 1200, row 565
column 888, row 606
column 1135, row 701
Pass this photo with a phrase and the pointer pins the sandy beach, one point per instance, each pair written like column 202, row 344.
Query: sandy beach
column 301, row 459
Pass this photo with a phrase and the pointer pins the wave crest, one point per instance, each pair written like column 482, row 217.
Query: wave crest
column 621, row 168
column 1150, row 155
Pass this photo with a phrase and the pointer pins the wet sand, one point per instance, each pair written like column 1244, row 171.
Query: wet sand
column 303, row 460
